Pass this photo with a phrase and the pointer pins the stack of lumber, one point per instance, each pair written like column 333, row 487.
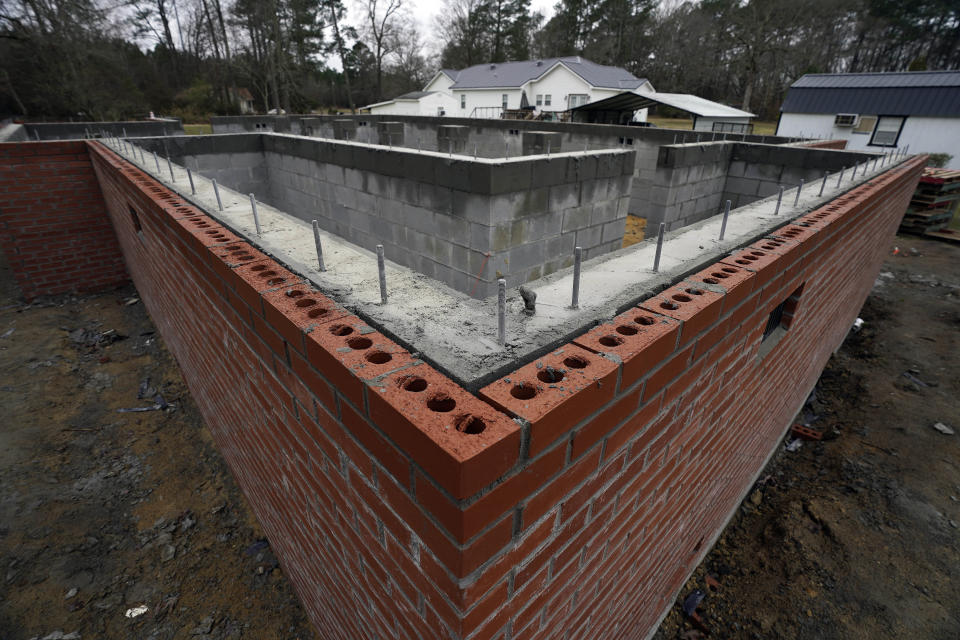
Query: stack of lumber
column 933, row 203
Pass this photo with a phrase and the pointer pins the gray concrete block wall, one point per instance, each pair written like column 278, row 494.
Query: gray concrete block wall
column 77, row 130
column 461, row 222
column 758, row 171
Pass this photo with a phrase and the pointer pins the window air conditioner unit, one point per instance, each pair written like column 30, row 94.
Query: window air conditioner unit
column 846, row 120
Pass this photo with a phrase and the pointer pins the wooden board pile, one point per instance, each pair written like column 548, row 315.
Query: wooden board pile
column 933, row 203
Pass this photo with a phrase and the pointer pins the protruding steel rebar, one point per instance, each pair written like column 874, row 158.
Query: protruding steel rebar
column 548, row 148
column 840, row 177
column 656, row 256
column 216, row 192
column 823, row 183
column 779, row 200
column 382, row 269
column 316, row 241
column 124, row 129
column 256, row 218
column 475, row 149
column 170, row 167
column 156, row 161
column 193, row 188
column 726, row 214
column 36, row 134
column 853, row 176
column 577, row 259
column 796, row 198
column 502, row 312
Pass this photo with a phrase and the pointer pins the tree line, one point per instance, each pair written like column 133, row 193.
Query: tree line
column 88, row 59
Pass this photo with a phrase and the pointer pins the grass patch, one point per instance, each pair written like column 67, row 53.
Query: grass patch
column 197, row 129
column 760, row 127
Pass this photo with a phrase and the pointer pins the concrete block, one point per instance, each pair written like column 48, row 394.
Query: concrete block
column 344, row 129
column 603, row 212
column 418, row 218
column 526, row 256
column 544, row 226
column 519, row 204
column 473, row 207
column 390, row 133
column 768, row 172
column 614, row 230
column 577, row 218
column 509, row 177
column 481, row 237
column 453, row 228
column 538, row 142
column 590, row 237
column 563, row 196
column 741, row 185
column 547, row 172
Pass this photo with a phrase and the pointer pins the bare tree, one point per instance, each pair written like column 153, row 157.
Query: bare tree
column 382, row 21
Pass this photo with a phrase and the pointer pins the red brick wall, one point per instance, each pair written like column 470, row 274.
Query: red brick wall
column 827, row 144
column 403, row 507
column 53, row 227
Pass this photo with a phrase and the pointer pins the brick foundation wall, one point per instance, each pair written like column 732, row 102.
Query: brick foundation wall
column 53, row 225
column 827, row 144
column 572, row 505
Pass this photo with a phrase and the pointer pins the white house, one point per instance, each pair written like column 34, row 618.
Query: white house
column 485, row 90
column 415, row 103
column 878, row 111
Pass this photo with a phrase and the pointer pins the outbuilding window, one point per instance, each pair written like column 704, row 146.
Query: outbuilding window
column 539, row 99
column 463, row 101
column 546, row 100
column 887, row 131
column 503, row 101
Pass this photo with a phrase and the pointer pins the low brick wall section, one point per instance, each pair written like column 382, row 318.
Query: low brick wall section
column 576, row 499
column 827, row 144
column 53, row 225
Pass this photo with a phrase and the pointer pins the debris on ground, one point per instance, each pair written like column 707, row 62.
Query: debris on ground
column 942, row 428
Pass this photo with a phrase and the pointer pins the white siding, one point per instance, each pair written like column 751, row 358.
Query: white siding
column 486, row 99
column 426, row 106
column 924, row 135
column 560, row 82
column 440, row 82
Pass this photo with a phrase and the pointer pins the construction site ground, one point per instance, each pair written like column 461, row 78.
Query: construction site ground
column 118, row 524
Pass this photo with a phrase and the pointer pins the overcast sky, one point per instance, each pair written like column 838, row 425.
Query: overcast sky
column 426, row 10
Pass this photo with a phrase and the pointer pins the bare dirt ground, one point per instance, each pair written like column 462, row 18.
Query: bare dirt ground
column 102, row 512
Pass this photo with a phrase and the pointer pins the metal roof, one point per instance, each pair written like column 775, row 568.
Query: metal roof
column 696, row 105
column 909, row 93
column 517, row 74
column 884, row 79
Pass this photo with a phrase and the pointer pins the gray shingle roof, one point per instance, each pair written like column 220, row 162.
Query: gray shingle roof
column 516, row 74
column 908, row 93
column 413, row 95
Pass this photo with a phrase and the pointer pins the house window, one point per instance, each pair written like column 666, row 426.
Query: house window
column 546, row 100
column 503, row 101
column 887, row 131
column 866, row 124
column 577, row 99
column 539, row 99
column 463, row 101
